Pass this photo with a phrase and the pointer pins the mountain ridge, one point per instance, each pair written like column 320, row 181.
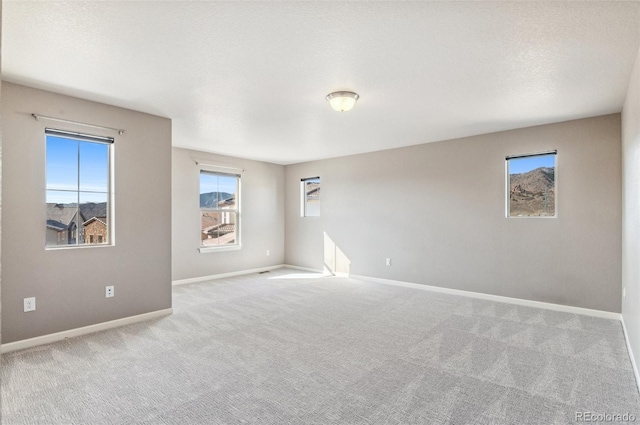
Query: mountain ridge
column 211, row 199
column 534, row 181
column 532, row 194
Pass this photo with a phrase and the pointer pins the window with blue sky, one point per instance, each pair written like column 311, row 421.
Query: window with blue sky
column 219, row 212
column 77, row 189
column 531, row 185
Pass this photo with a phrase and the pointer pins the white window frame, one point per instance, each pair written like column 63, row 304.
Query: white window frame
column 508, row 184
column 225, row 171
column 91, row 138
column 303, row 197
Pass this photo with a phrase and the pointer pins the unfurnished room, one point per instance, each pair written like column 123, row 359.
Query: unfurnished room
column 319, row 212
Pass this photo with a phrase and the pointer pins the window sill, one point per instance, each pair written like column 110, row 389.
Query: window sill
column 533, row 216
column 209, row 249
column 68, row 247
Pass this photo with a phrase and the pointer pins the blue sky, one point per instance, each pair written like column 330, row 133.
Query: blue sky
column 76, row 166
column 214, row 183
column 523, row 165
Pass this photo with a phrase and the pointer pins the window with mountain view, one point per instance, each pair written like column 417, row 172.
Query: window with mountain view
column 310, row 197
column 219, row 212
column 531, row 185
column 77, row 189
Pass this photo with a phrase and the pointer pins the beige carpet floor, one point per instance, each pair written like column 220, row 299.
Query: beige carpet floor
column 288, row 347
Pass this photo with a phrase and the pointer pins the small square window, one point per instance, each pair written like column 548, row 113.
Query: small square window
column 531, row 185
column 310, row 197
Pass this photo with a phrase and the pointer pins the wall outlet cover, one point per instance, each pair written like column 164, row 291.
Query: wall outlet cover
column 29, row 304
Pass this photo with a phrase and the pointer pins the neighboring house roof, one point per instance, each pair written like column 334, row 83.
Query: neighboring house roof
column 56, row 225
column 60, row 216
column 226, row 228
column 223, row 228
column 227, row 236
column 102, row 220
column 313, row 190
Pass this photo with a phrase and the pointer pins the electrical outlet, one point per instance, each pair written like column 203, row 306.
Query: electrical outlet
column 388, row 261
column 109, row 291
column 29, row 304
column 268, row 253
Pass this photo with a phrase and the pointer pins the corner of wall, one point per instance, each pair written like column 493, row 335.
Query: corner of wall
column 630, row 212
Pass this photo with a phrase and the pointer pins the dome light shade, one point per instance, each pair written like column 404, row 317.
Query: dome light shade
column 342, row 101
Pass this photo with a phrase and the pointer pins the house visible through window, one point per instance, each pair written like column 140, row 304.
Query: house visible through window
column 219, row 209
column 531, row 185
column 310, row 197
column 77, row 188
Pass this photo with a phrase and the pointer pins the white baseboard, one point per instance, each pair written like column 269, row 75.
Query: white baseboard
column 498, row 298
column 306, row 269
column 325, row 271
column 59, row 336
column 633, row 359
column 223, row 275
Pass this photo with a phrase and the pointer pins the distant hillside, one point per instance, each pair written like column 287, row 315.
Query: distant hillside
column 534, row 181
column 533, row 193
column 211, row 199
column 91, row 209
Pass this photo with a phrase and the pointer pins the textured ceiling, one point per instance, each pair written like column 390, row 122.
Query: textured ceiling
column 250, row 79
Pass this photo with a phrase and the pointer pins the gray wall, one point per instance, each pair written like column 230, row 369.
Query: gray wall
column 0, row 184
column 438, row 211
column 261, row 215
column 631, row 209
column 69, row 285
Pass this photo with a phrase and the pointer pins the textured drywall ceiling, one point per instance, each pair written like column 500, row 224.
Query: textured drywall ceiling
column 250, row 79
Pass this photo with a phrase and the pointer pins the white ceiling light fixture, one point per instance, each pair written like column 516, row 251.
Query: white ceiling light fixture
column 342, row 101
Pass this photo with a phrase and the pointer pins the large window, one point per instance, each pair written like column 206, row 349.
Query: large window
column 78, row 189
column 531, row 185
column 219, row 209
column 310, row 197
